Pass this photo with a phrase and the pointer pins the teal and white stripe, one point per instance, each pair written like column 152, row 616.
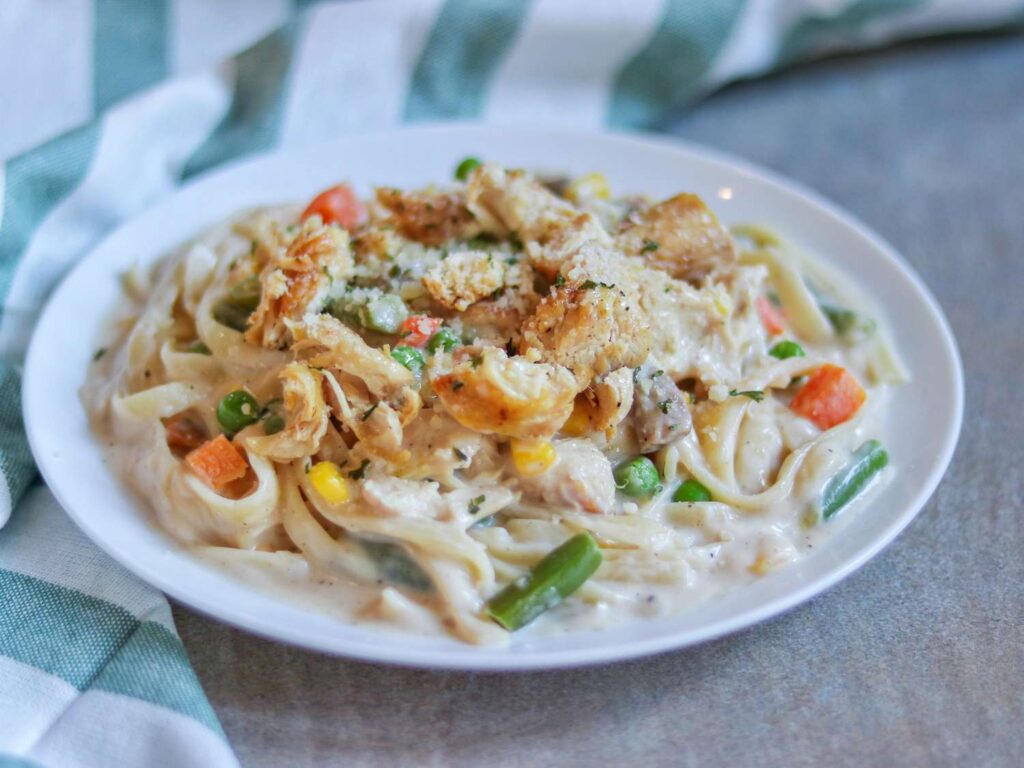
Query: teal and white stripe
column 91, row 670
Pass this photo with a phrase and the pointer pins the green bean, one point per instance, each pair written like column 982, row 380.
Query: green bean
column 444, row 339
column 852, row 327
column 691, row 490
column 558, row 575
column 786, row 349
column 273, row 416
column 466, row 167
column 848, row 483
column 384, row 314
column 245, row 294
column 637, row 477
column 396, row 566
column 410, row 357
column 237, row 410
column 235, row 307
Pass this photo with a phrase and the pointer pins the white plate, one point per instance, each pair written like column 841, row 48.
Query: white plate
column 929, row 410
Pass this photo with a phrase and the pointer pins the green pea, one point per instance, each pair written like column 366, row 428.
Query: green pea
column 786, row 349
column 691, row 490
column 385, row 314
column 637, row 477
column 237, row 410
column 410, row 357
column 444, row 339
column 466, row 167
column 273, row 416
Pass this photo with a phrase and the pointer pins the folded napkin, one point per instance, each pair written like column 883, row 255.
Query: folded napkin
column 91, row 669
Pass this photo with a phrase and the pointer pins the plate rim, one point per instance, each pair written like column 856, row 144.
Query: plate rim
column 394, row 654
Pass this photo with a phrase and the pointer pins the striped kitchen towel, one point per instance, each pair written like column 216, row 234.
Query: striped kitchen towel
column 91, row 669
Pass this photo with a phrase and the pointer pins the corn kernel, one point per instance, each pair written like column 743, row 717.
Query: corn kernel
column 578, row 423
column 531, row 457
column 329, row 482
column 589, row 185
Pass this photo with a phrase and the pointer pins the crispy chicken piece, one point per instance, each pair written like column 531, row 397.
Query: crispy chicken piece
column 294, row 282
column 500, row 317
column 307, row 417
column 464, row 278
column 564, row 241
column 581, row 478
column 492, row 393
column 594, row 323
column 513, row 202
column 680, row 236
column 430, row 216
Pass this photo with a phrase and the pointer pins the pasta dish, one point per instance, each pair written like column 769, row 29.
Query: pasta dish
column 508, row 398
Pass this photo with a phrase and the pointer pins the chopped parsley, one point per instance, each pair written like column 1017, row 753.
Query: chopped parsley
column 457, row 385
column 359, row 474
column 664, row 405
column 649, row 246
column 657, row 373
column 460, row 455
column 497, row 292
column 636, row 374
column 369, row 411
column 511, row 261
column 475, row 362
column 395, row 271
column 590, row 284
column 99, row 353
column 560, row 281
column 474, row 504
column 754, row 394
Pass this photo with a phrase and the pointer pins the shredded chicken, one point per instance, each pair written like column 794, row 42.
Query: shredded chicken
column 307, row 417
column 336, row 346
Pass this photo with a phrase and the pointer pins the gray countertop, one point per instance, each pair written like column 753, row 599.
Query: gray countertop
column 918, row 658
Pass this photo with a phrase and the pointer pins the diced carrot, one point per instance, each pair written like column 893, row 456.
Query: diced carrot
column 184, row 433
column 217, row 462
column 417, row 329
column 771, row 318
column 831, row 396
column 337, row 205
